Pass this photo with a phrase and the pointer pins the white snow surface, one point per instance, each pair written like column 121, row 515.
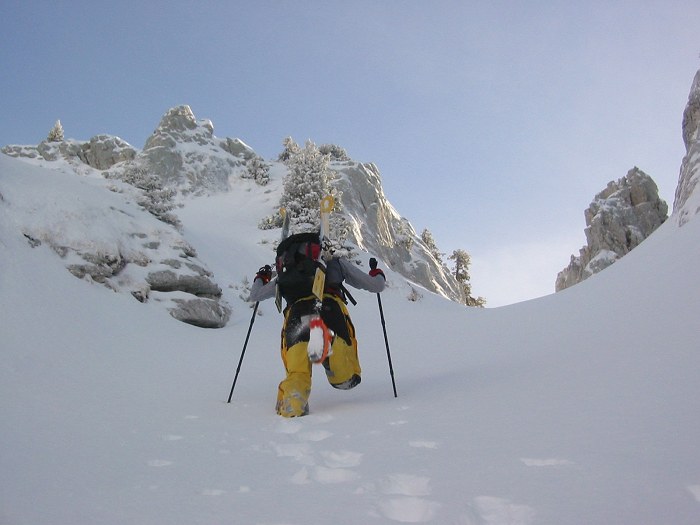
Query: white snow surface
column 576, row 408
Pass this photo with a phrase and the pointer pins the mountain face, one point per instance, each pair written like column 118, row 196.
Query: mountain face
column 629, row 210
column 379, row 229
column 620, row 217
column 185, row 154
column 687, row 202
column 182, row 160
column 100, row 232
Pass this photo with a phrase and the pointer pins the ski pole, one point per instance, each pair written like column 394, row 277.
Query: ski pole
column 373, row 265
column 240, row 361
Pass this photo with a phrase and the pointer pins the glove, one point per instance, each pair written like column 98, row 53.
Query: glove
column 374, row 270
column 264, row 273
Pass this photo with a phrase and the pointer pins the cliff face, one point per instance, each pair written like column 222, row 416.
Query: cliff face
column 620, row 217
column 687, row 200
column 379, row 229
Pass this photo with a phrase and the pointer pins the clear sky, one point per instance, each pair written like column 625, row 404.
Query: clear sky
column 493, row 124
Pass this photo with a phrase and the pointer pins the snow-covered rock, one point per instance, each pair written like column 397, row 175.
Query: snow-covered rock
column 100, row 234
column 100, row 152
column 185, row 154
column 104, row 151
column 378, row 228
column 620, row 217
column 687, row 200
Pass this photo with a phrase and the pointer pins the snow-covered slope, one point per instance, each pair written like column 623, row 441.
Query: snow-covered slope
column 577, row 408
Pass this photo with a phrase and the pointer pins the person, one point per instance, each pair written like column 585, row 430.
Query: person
column 342, row 365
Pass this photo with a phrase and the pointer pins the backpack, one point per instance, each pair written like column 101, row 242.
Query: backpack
column 296, row 263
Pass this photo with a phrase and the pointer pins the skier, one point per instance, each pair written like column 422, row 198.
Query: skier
column 342, row 366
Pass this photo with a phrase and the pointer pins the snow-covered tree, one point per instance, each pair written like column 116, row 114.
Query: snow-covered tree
column 335, row 152
column 291, row 148
column 462, row 261
column 258, row 170
column 404, row 235
column 309, row 180
column 56, row 133
column 155, row 198
column 429, row 242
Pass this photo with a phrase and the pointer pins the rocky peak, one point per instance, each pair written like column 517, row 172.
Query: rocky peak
column 186, row 155
column 180, row 125
column 620, row 217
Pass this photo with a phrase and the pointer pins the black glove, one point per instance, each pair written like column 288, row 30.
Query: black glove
column 264, row 273
column 374, row 270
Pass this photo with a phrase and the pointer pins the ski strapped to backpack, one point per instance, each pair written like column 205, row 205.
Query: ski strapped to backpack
column 320, row 336
column 301, row 274
column 327, row 204
column 285, row 233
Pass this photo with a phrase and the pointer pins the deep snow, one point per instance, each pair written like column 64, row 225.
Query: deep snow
column 576, row 408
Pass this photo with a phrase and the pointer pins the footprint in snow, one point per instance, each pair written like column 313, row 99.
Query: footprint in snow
column 301, row 452
column 406, row 485
column 301, row 477
column 288, row 426
column 323, row 475
column 496, row 511
column 342, row 459
column 336, row 467
column 315, row 435
column 408, row 510
column 326, row 475
column 408, row 506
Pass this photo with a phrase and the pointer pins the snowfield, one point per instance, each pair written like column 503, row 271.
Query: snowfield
column 576, row 408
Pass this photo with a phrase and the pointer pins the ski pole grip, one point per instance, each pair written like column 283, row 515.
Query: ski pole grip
column 373, row 263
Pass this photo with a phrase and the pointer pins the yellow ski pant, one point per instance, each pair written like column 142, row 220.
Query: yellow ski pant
column 342, row 367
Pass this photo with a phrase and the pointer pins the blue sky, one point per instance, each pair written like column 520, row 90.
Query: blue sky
column 493, row 123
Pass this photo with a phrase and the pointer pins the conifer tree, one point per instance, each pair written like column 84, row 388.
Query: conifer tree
column 258, row 170
column 336, row 153
column 291, row 148
column 427, row 238
column 462, row 260
column 56, row 133
column 309, row 180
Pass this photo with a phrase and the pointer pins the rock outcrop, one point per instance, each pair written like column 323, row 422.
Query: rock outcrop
column 204, row 168
column 104, row 151
column 101, row 152
column 120, row 244
column 620, row 217
column 378, row 228
column 687, row 200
